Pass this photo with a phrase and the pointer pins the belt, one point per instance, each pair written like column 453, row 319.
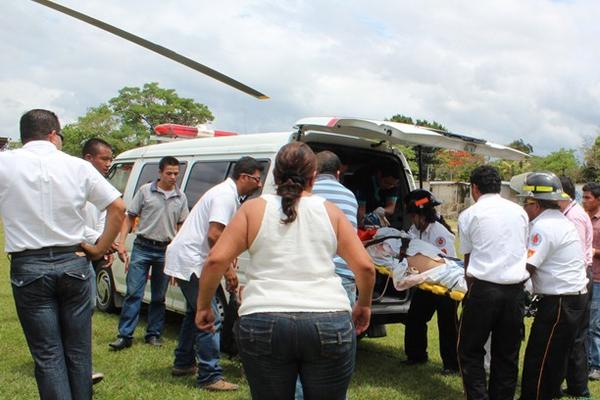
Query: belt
column 580, row 292
column 151, row 242
column 47, row 251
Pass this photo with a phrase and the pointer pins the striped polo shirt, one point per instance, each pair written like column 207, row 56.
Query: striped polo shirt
column 328, row 187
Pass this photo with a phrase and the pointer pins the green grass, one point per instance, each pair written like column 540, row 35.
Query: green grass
column 142, row 372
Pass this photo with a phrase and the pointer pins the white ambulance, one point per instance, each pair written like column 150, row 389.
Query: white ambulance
column 207, row 161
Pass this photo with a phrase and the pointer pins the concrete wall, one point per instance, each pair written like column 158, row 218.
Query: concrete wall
column 456, row 196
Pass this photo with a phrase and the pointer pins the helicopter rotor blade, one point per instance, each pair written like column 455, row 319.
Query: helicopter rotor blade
column 155, row 48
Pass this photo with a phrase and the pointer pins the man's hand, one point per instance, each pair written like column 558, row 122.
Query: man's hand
column 109, row 260
column 231, row 280
column 380, row 212
column 205, row 320
column 92, row 251
column 361, row 316
column 122, row 252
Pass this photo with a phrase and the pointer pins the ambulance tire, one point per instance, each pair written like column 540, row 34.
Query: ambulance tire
column 105, row 290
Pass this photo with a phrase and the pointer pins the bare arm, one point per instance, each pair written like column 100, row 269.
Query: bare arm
column 230, row 244
column 390, row 207
column 215, row 229
column 125, row 229
column 115, row 213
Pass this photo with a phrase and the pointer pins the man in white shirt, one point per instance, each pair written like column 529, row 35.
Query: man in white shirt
column 100, row 154
column 493, row 233
column 184, row 260
column 43, row 192
column 556, row 263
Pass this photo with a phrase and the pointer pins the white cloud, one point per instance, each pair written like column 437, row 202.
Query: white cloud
column 497, row 69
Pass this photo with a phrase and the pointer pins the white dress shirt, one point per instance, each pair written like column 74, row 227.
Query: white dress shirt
column 556, row 253
column 188, row 250
column 43, row 194
column 494, row 231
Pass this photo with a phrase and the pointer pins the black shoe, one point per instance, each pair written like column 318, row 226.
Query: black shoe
column 415, row 361
column 569, row 393
column 153, row 341
column 120, row 344
column 450, row 371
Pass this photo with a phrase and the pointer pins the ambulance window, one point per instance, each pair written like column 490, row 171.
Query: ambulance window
column 119, row 175
column 203, row 176
column 149, row 173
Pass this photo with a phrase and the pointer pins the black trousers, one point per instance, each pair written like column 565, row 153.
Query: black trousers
column 577, row 368
column 422, row 307
column 552, row 334
column 496, row 309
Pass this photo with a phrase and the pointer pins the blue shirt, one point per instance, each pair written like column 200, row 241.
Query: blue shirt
column 328, row 187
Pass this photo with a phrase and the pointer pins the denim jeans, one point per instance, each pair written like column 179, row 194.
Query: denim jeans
column 277, row 347
column 594, row 331
column 52, row 297
column 349, row 285
column 195, row 345
column 142, row 258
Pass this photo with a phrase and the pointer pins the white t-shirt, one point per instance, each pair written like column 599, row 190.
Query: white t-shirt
column 494, row 231
column 556, row 253
column 188, row 250
column 94, row 222
column 43, row 194
column 437, row 235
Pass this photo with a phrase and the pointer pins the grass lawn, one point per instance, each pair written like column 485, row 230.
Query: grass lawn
column 142, row 372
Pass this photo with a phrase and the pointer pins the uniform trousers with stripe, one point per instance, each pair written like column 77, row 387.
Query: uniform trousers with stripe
column 497, row 309
column 552, row 335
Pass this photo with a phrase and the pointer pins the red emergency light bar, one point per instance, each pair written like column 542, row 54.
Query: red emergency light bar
column 189, row 132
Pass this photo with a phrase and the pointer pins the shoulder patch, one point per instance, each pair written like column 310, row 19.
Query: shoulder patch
column 536, row 239
column 440, row 241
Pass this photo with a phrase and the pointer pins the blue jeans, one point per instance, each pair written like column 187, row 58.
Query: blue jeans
column 349, row 285
column 594, row 330
column 195, row 344
column 52, row 297
column 277, row 347
column 142, row 258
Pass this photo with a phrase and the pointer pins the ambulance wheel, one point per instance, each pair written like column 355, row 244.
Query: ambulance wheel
column 105, row 290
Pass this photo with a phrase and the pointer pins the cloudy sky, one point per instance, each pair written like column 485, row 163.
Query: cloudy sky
column 496, row 69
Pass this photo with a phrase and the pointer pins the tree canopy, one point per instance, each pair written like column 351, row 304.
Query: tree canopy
column 126, row 121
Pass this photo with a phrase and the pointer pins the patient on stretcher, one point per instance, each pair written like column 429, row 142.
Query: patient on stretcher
column 420, row 264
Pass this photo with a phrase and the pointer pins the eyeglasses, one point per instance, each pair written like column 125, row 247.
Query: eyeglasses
column 254, row 178
column 60, row 135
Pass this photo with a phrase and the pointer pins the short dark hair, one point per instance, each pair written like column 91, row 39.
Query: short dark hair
column 92, row 145
column 37, row 124
column 593, row 188
column 328, row 162
column 487, row 179
column 567, row 185
column 168, row 160
column 246, row 165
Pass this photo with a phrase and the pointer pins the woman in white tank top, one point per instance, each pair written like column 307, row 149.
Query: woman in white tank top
column 295, row 316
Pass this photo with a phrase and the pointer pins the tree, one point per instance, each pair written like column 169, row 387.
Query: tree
column 127, row 120
column 456, row 165
column 561, row 162
column 507, row 168
column 591, row 165
column 520, row 145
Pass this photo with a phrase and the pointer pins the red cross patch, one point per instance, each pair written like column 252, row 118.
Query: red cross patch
column 440, row 241
column 536, row 239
